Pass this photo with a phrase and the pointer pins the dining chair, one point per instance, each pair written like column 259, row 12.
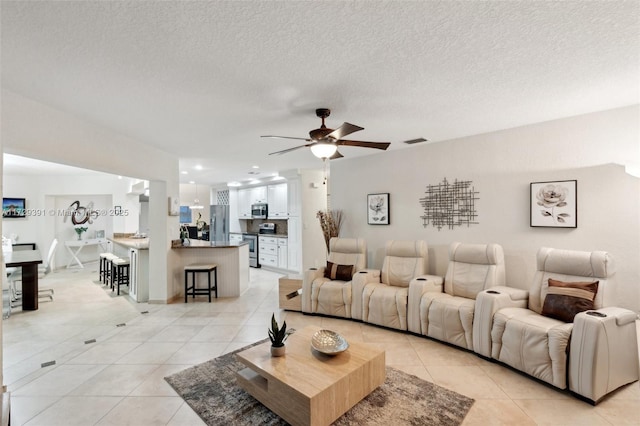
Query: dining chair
column 43, row 271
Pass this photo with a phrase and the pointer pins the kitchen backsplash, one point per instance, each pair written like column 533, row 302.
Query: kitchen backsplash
column 253, row 225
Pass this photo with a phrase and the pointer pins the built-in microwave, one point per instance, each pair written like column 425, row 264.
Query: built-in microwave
column 258, row 211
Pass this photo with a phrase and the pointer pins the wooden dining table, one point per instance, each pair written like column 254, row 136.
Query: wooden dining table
column 28, row 260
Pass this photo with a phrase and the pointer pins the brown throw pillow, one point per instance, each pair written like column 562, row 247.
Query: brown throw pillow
column 333, row 271
column 565, row 300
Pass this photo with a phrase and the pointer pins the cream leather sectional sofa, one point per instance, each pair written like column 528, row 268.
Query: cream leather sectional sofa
column 538, row 332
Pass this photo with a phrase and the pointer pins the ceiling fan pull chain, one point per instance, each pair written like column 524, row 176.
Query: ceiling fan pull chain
column 324, row 162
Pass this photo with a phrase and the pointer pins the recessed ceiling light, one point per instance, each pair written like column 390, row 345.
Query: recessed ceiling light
column 234, row 184
column 192, row 181
column 255, row 167
column 198, row 167
column 252, row 181
column 184, row 172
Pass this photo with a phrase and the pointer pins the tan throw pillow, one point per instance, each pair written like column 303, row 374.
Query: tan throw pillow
column 333, row 271
column 564, row 300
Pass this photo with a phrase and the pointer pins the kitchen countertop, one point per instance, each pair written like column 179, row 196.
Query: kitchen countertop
column 208, row 244
column 273, row 235
column 137, row 243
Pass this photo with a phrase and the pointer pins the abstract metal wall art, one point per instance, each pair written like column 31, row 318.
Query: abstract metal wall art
column 449, row 204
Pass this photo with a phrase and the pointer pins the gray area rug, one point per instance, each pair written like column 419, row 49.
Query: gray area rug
column 210, row 389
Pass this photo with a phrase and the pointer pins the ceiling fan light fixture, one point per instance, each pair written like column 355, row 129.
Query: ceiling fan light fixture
column 324, row 150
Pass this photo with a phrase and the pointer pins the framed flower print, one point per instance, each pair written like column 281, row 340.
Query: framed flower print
column 554, row 204
column 378, row 209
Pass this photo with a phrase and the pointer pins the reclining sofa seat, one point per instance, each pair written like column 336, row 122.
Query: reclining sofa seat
column 323, row 295
column 596, row 353
column 447, row 313
column 380, row 296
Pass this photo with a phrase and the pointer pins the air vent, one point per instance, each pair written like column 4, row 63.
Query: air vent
column 412, row 141
column 254, row 173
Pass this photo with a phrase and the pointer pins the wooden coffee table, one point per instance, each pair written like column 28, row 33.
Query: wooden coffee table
column 305, row 387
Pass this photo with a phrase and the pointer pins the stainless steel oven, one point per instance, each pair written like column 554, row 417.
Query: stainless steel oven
column 259, row 211
column 252, row 239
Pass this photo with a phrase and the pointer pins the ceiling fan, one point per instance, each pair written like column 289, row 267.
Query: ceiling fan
column 324, row 142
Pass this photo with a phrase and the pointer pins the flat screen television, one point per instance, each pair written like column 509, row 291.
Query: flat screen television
column 13, row 207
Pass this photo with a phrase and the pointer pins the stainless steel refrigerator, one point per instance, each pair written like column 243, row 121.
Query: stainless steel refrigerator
column 219, row 225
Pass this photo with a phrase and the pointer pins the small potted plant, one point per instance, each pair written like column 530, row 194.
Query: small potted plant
column 278, row 336
column 80, row 230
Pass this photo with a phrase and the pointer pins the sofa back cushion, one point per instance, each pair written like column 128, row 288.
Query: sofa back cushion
column 572, row 266
column 348, row 251
column 403, row 261
column 473, row 268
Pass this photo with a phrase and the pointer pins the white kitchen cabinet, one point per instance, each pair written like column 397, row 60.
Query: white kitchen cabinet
column 258, row 195
column 293, row 197
column 249, row 196
column 268, row 260
column 277, row 196
column 268, row 245
column 268, row 251
column 235, row 238
column 273, row 251
column 244, row 203
column 283, row 255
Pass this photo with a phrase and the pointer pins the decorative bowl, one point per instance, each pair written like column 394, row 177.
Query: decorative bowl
column 328, row 342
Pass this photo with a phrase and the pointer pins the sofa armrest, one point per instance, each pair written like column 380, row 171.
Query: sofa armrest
column 360, row 280
column 488, row 302
column 417, row 287
column 308, row 277
column 604, row 352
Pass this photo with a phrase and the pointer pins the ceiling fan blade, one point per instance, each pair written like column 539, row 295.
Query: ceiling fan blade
column 284, row 151
column 286, row 137
column 336, row 156
column 363, row 144
column 344, row 130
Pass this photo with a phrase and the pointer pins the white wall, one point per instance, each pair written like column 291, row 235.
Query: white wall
column 47, row 196
column 501, row 165
column 36, row 130
column 314, row 198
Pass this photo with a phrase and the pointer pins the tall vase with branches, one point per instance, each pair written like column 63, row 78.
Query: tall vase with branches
column 330, row 222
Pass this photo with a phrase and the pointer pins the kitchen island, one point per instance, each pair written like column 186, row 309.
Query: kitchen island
column 232, row 259
column 137, row 251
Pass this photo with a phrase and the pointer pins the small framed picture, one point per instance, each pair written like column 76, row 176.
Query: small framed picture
column 378, row 209
column 99, row 234
column 554, row 204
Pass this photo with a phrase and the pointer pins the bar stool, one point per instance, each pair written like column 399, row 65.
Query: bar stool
column 105, row 266
column 120, row 273
column 200, row 268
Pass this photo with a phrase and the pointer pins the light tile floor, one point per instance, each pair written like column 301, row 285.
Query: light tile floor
column 119, row 379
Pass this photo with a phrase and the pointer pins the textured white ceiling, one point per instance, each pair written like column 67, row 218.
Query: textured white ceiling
column 205, row 79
